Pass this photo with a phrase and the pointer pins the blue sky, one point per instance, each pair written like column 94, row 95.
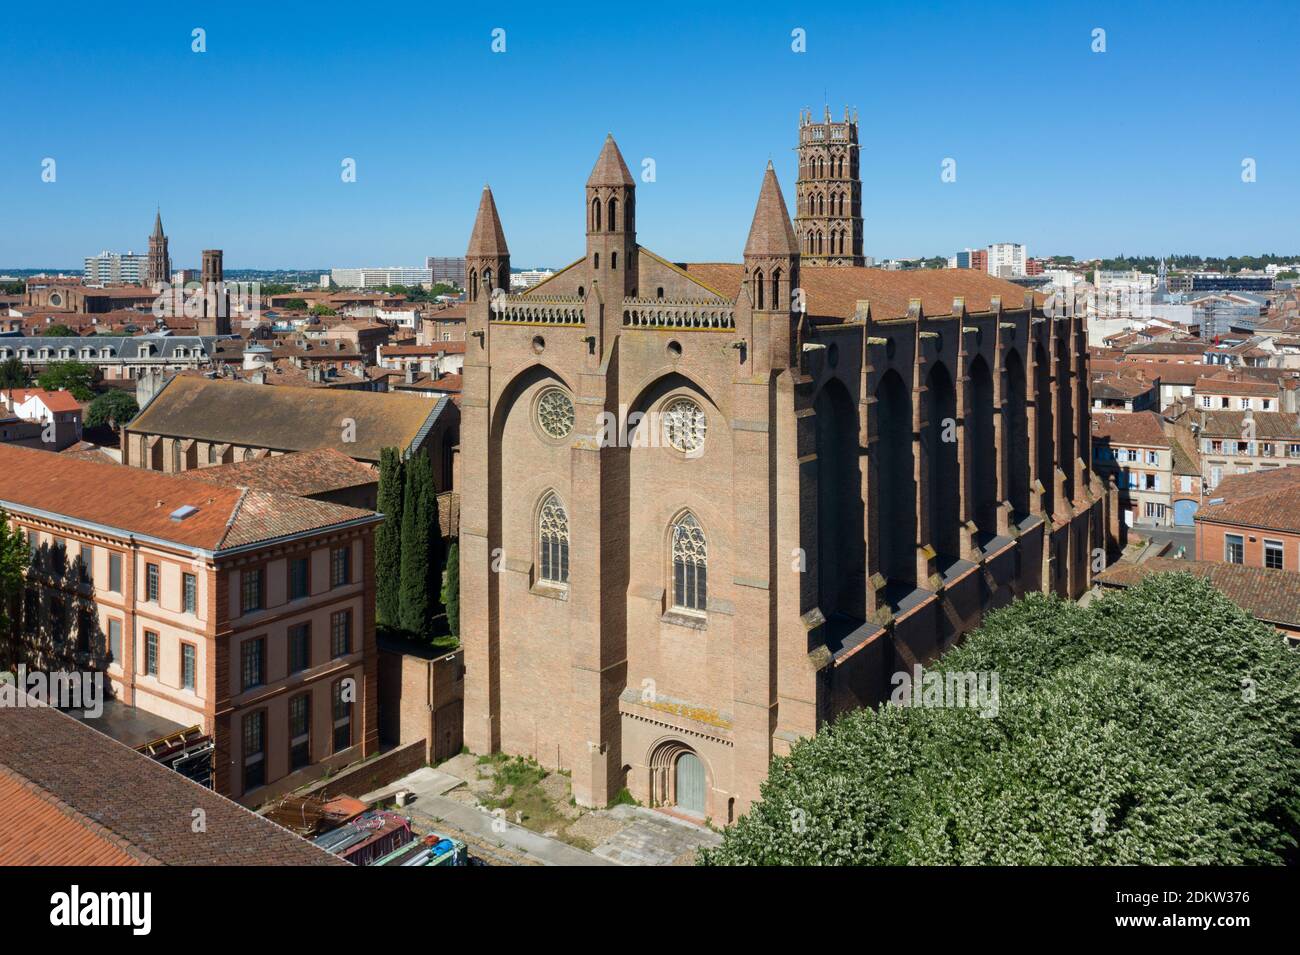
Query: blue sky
column 1135, row 150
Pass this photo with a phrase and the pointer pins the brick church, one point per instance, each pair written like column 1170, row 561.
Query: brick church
column 707, row 507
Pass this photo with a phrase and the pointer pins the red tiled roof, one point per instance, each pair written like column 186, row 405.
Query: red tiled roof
column 138, row 806
column 1270, row 595
column 1144, row 428
column 1267, row 499
column 40, row 829
column 54, row 400
column 301, row 473
column 142, row 502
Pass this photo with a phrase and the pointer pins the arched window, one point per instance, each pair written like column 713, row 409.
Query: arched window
column 613, row 260
column 758, row 289
column 776, row 288
column 613, row 214
column 659, row 292
column 595, row 260
column 595, row 215
column 473, row 285
column 553, row 541
column 690, row 565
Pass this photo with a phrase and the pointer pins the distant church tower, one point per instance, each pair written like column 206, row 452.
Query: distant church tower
column 828, row 195
column 215, row 313
column 160, row 263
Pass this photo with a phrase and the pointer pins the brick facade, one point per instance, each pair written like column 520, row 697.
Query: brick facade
column 869, row 483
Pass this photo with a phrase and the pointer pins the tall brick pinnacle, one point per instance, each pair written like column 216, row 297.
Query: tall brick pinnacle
column 610, row 170
column 488, row 238
column 157, row 225
column 771, row 232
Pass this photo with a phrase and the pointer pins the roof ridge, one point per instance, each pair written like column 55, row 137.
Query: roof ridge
column 234, row 515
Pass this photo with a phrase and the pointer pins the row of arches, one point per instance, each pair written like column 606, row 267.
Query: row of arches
column 817, row 166
column 603, row 215
column 817, row 204
column 814, row 245
column 841, row 457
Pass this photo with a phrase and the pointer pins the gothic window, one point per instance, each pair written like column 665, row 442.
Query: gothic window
column 684, row 425
column 553, row 541
column 595, row 215
column 613, row 214
column 690, row 565
column 595, row 260
column 659, row 292
column 758, row 288
column 613, row 261
column 473, row 285
column 776, row 288
column 555, row 413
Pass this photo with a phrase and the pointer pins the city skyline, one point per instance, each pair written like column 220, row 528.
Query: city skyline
column 1093, row 160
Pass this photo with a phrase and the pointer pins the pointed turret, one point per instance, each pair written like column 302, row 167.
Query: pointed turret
column 611, row 225
column 157, row 224
column 487, row 260
column 488, row 238
column 610, row 170
column 771, row 232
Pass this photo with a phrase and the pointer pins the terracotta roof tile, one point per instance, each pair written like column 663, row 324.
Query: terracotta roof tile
column 1270, row 595
column 139, row 806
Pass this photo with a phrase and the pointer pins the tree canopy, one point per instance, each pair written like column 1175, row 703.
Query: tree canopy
column 76, row 377
column 113, row 408
column 1155, row 726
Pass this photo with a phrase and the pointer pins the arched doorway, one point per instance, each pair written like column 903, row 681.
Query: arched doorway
column 678, row 778
column 690, row 784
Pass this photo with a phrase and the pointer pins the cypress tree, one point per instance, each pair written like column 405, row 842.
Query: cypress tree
column 419, row 532
column 451, row 589
column 388, row 539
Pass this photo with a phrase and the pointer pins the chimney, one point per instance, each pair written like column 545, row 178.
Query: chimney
column 410, row 373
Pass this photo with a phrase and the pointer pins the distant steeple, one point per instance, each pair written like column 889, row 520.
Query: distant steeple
column 158, row 267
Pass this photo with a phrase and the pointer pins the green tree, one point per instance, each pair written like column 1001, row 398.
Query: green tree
column 59, row 331
column 322, row 310
column 451, row 589
column 295, row 305
column 75, row 377
column 113, row 408
column 13, row 374
column 1154, row 727
column 13, row 562
column 388, row 539
column 421, row 542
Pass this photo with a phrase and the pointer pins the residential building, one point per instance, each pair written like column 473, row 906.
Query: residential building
column 1006, row 260
column 1125, row 393
column 115, row 357
column 245, row 612
column 1134, row 453
column 1253, row 520
column 381, row 277
column 446, row 270
column 56, row 414
column 116, row 268
column 1238, row 442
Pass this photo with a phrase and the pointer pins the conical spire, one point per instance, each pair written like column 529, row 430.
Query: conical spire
column 610, row 170
column 771, row 233
column 488, row 238
column 157, row 225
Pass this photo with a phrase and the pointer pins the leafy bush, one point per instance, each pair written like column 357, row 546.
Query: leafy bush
column 1156, row 726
